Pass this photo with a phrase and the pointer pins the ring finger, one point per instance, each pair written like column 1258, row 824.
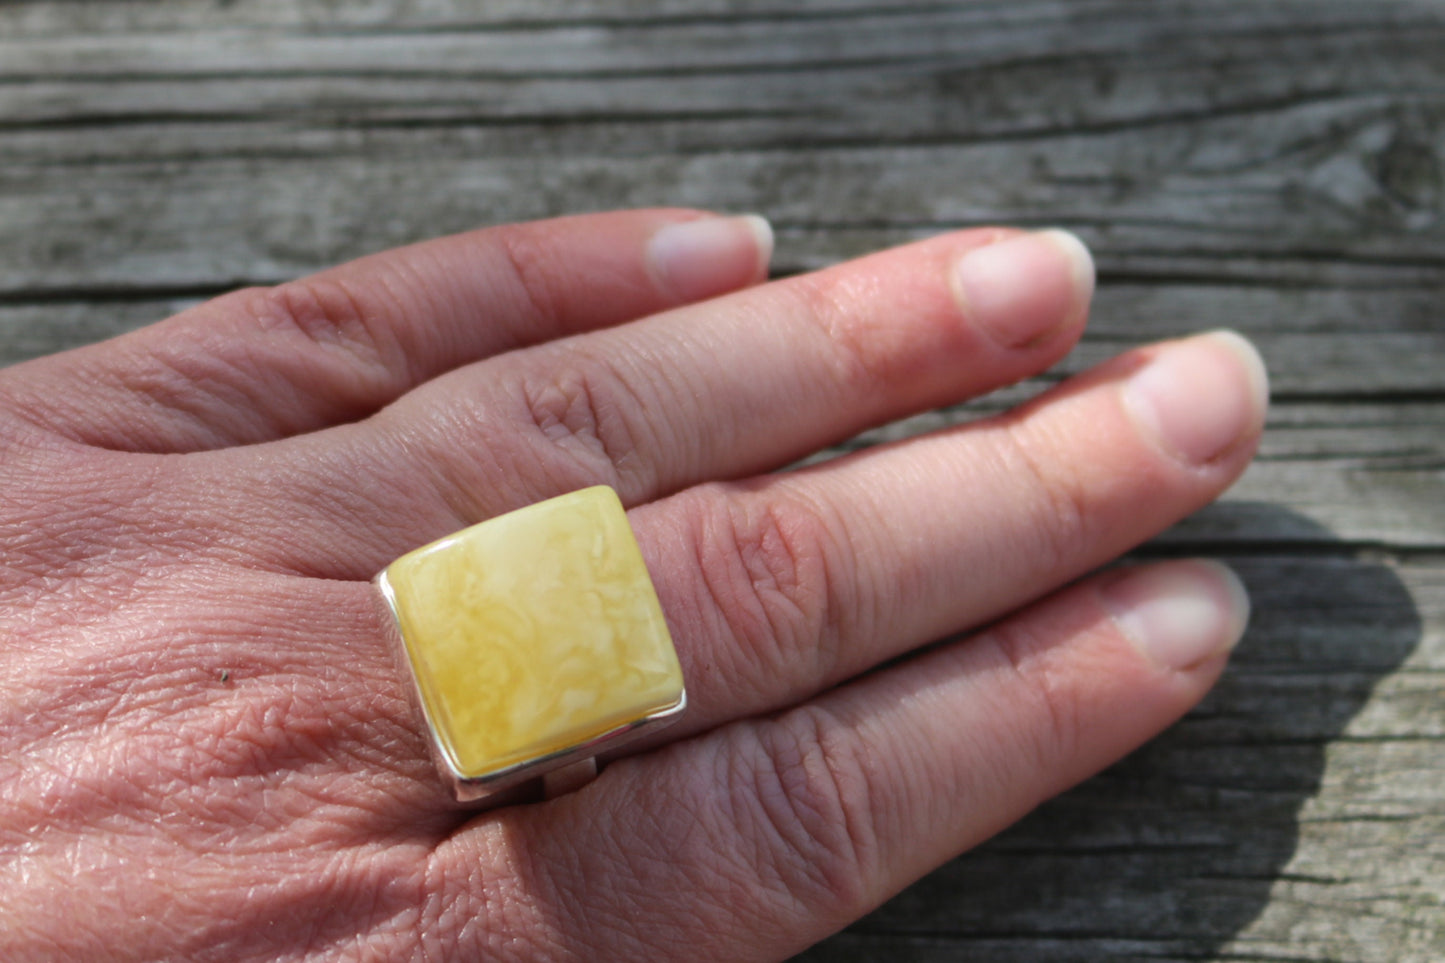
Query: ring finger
column 787, row 585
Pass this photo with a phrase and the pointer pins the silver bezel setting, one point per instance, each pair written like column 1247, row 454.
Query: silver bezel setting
column 503, row 785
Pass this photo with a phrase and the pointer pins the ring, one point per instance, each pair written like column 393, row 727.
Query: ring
column 534, row 641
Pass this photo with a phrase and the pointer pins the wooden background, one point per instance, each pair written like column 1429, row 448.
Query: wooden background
column 1274, row 165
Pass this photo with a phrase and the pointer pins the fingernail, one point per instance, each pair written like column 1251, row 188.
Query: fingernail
column 1199, row 398
column 1180, row 614
column 1019, row 290
column 698, row 259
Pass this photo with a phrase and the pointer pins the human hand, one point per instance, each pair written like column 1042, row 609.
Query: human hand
column 206, row 752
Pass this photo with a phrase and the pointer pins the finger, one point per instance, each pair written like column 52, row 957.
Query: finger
column 767, row 835
column 742, row 384
column 266, row 363
column 780, row 588
column 774, row 590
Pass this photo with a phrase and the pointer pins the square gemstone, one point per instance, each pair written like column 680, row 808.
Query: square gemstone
column 533, row 633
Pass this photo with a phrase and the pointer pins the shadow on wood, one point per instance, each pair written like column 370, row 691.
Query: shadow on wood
column 1178, row 849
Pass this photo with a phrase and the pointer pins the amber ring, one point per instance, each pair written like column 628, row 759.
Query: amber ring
column 535, row 641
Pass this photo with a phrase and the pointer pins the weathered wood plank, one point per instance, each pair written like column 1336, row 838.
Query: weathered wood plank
column 1185, row 210
column 980, row 34
column 1210, row 142
column 38, row 18
column 35, row 18
column 1270, row 165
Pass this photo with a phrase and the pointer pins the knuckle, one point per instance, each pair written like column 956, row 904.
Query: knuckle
column 529, row 257
column 580, row 411
column 808, row 802
column 769, row 571
column 1046, row 701
column 864, row 356
column 327, row 313
column 1058, row 501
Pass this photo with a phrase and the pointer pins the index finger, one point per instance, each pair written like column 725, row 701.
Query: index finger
column 266, row 363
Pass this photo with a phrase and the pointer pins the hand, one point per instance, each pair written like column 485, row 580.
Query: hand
column 205, row 750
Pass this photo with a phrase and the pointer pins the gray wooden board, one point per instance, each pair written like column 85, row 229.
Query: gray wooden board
column 1270, row 166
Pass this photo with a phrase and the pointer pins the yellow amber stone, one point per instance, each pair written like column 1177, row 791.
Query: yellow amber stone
column 534, row 632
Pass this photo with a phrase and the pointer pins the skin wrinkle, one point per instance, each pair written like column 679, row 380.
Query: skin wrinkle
column 526, row 257
column 356, row 354
column 603, row 413
column 520, row 869
column 763, row 581
column 691, row 451
column 597, row 280
column 486, row 892
column 715, row 825
column 413, row 297
column 174, row 743
column 1060, row 508
column 843, row 538
column 890, row 814
column 60, row 414
column 110, row 571
column 749, row 866
column 1011, row 669
column 190, row 623
column 359, row 357
column 575, row 413
column 150, row 769
column 89, row 534
column 262, row 886
column 264, row 542
column 353, row 399
column 73, row 704
column 326, row 312
column 1034, row 680
column 897, row 811
column 629, row 442
column 178, row 386
column 383, row 895
column 352, row 894
column 640, row 883
column 814, row 809
column 453, row 500
column 310, row 809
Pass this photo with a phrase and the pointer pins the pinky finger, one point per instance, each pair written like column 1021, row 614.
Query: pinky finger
column 767, row 835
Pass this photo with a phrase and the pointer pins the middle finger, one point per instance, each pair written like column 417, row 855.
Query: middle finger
column 720, row 390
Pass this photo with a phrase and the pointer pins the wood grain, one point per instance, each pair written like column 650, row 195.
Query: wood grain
column 1269, row 165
